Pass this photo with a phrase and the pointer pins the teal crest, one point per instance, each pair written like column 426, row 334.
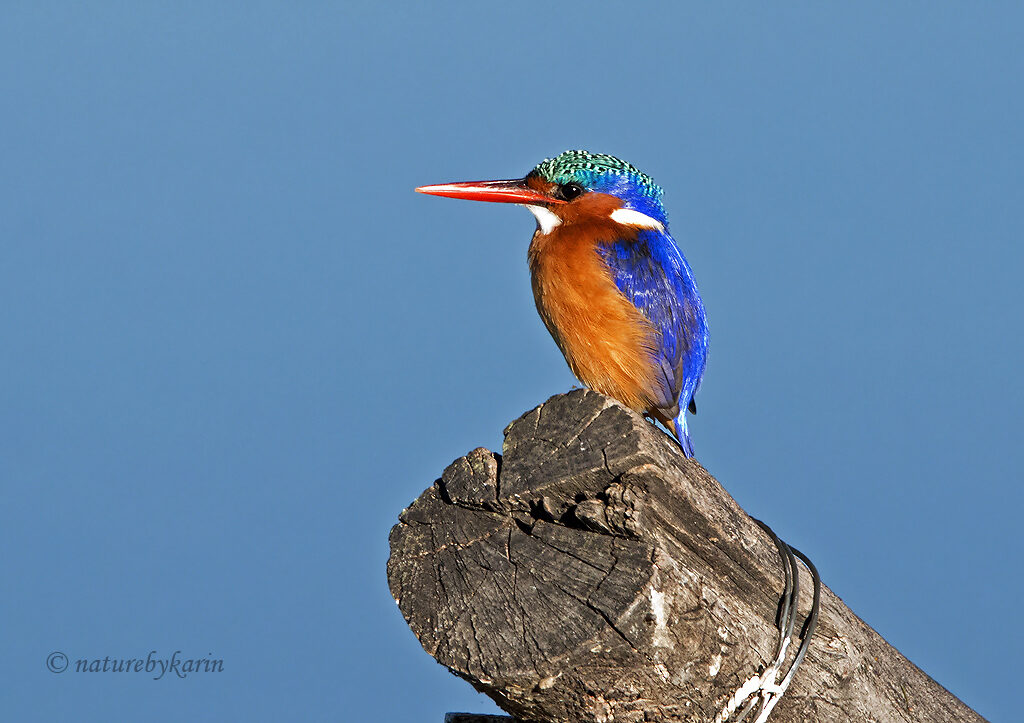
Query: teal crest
column 586, row 168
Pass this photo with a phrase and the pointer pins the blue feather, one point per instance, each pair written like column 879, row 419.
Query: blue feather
column 654, row 275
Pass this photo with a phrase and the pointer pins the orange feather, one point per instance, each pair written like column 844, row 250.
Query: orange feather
column 609, row 344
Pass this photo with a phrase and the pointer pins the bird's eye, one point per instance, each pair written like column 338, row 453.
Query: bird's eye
column 569, row 191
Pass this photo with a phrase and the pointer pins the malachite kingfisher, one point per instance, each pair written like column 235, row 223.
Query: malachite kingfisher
column 609, row 281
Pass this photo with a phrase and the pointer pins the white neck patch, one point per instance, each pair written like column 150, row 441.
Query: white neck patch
column 629, row 217
column 546, row 220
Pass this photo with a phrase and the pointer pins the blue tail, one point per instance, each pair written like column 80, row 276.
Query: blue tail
column 682, row 433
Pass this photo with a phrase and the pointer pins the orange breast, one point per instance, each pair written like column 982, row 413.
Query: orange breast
column 608, row 343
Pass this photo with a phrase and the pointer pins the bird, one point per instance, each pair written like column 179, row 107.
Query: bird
column 609, row 281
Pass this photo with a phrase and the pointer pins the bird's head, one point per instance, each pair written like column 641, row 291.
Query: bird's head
column 573, row 187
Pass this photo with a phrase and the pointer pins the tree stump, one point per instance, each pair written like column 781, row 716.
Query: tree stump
column 592, row 573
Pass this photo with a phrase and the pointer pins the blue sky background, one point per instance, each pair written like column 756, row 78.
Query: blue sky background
column 236, row 344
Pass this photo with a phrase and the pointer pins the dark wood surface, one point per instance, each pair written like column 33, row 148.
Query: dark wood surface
column 592, row 573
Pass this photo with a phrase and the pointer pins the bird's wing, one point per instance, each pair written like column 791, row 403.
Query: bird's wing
column 652, row 273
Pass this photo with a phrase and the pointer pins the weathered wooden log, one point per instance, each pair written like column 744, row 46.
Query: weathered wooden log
column 592, row 573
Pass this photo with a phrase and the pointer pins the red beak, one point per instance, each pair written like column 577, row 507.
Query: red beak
column 514, row 191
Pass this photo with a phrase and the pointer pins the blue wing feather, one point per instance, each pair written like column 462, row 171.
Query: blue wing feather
column 653, row 274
